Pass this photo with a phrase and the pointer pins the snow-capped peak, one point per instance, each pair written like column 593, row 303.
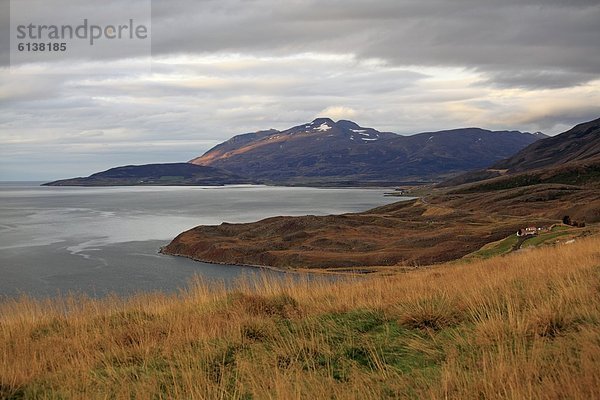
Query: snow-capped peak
column 323, row 127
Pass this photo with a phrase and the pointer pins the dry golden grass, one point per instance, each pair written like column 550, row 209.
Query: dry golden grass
column 523, row 326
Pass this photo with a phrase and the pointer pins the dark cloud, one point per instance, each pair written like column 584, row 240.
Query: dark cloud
column 552, row 42
column 556, row 42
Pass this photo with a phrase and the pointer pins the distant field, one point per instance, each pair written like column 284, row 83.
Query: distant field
column 513, row 242
column 522, row 326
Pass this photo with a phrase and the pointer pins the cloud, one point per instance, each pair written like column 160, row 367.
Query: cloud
column 530, row 43
column 538, row 79
column 338, row 112
column 495, row 38
column 223, row 67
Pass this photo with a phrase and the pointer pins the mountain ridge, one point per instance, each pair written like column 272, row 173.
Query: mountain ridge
column 327, row 151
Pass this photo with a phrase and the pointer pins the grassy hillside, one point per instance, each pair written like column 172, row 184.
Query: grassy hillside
column 571, row 174
column 522, row 326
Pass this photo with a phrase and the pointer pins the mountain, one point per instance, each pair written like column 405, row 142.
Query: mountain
column 156, row 174
column 579, row 144
column 570, row 157
column 328, row 152
column 561, row 178
column 324, row 152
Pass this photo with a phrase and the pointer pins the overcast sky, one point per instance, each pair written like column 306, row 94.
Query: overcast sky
column 224, row 67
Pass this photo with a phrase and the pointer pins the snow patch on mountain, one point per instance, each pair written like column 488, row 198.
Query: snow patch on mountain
column 323, row 127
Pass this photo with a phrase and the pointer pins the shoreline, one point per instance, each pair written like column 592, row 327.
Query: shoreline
column 225, row 185
column 255, row 266
column 361, row 271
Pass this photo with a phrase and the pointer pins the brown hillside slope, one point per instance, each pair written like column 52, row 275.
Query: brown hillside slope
column 441, row 227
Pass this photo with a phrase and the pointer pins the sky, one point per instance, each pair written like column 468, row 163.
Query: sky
column 216, row 68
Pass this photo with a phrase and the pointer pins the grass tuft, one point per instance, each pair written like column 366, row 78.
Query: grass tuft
column 434, row 313
column 281, row 305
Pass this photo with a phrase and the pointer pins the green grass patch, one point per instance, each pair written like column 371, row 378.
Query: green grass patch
column 558, row 228
column 543, row 238
column 497, row 248
column 359, row 321
column 367, row 340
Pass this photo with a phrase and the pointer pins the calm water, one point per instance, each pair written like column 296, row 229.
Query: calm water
column 102, row 240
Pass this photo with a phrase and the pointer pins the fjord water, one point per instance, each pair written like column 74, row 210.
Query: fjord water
column 55, row 240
